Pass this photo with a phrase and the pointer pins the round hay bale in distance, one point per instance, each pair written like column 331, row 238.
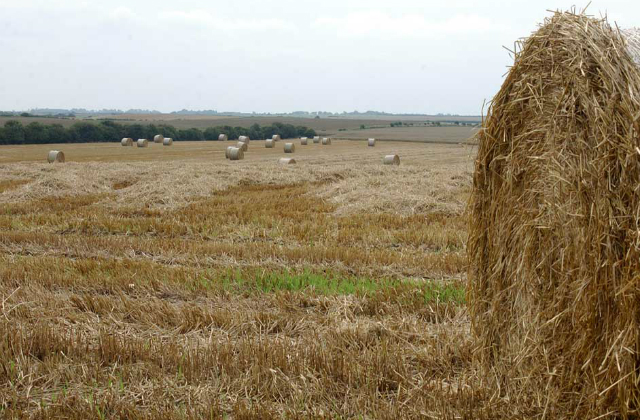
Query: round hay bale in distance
column 276, row 137
column 304, row 141
column 268, row 143
column 371, row 142
column 167, row 141
column 289, row 148
column 236, row 153
column 126, row 141
column 228, row 151
column 326, row 141
column 391, row 160
column 158, row 138
column 244, row 139
column 316, row 139
column 287, row 161
column 55, row 156
column 553, row 285
column 142, row 142
column 223, row 137
column 242, row 145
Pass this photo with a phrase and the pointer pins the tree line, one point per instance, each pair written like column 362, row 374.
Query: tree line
column 14, row 132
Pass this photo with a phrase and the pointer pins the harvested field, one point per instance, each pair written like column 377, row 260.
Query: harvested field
column 172, row 283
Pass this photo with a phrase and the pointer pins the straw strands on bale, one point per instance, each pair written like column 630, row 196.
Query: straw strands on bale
column 223, row 137
column 276, row 137
column 244, row 139
column 227, row 152
column 158, row 138
column 55, row 156
column 236, row 153
column 243, row 146
column 326, row 141
column 287, row 161
column 554, row 248
column 126, row 142
column 289, row 147
column 142, row 143
column 316, row 139
column 371, row 142
column 268, row 143
column 391, row 160
column 167, row 141
column 304, row 141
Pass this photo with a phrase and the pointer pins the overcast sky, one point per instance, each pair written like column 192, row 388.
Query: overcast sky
column 404, row 56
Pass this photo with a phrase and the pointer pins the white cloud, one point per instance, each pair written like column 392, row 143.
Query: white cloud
column 204, row 18
column 123, row 13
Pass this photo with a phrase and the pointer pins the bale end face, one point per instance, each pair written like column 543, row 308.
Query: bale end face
column 242, row 145
column 142, row 142
column 326, row 141
column 158, row 138
column 268, row 143
column 303, row 141
column 55, row 156
column 391, row 160
column 287, row 161
column 236, row 153
column 167, row 141
column 126, row 142
column 289, row 148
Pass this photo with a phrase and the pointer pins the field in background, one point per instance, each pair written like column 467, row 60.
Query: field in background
column 171, row 282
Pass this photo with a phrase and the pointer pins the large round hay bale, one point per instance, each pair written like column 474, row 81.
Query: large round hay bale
column 304, row 141
column 158, row 138
column 289, row 147
column 244, row 139
column 227, row 152
column 554, row 251
column 276, row 137
column 55, row 156
column 268, row 143
column 168, row 141
column 326, row 141
column 287, row 161
column 126, row 141
column 236, row 153
column 391, row 160
column 223, row 137
column 142, row 142
column 316, row 139
column 371, row 142
column 242, row 145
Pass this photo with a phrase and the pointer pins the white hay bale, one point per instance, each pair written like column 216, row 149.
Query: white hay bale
column 276, row 137
column 142, row 142
column 268, row 143
column 227, row 152
column 167, row 142
column 289, row 148
column 326, row 141
column 223, row 137
column 55, row 156
column 243, row 146
column 303, row 141
column 126, row 141
column 391, row 160
column 236, row 153
column 158, row 138
column 244, row 139
column 287, row 161
column 371, row 142
column 316, row 139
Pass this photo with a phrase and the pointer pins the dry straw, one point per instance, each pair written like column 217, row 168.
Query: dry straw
column 391, row 160
column 242, row 145
column 268, row 143
column 554, row 239
column 371, row 142
column 287, row 161
column 55, row 156
column 223, row 137
column 168, row 141
column 236, row 153
column 304, row 141
column 316, row 139
column 158, row 138
column 126, row 142
column 142, row 143
column 326, row 141
column 289, row 147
